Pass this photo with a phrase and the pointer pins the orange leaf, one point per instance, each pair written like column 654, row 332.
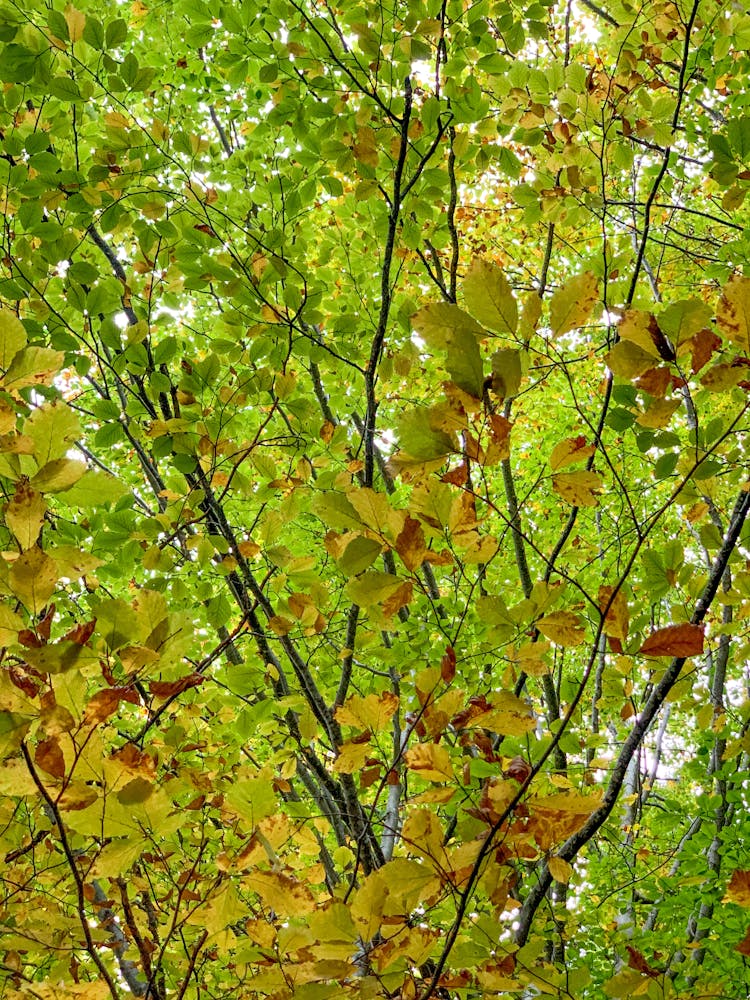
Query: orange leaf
column 738, row 890
column 616, row 617
column 675, row 640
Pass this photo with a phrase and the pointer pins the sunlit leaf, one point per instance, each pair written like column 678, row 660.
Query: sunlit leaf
column 573, row 303
column 578, row 488
column 430, row 761
column 733, row 312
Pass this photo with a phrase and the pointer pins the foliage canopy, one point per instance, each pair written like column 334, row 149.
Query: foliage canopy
column 374, row 549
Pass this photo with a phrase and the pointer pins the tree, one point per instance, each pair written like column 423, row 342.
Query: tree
column 375, row 558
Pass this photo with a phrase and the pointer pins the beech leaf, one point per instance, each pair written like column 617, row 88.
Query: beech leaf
column 572, row 304
column 675, row 640
column 489, row 297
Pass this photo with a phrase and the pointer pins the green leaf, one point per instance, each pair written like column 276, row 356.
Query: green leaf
column 65, row 89
column 489, row 297
column 420, row 439
column 372, row 588
column 447, row 328
column 13, row 729
column 52, row 427
column 507, row 372
column 93, row 488
column 360, row 553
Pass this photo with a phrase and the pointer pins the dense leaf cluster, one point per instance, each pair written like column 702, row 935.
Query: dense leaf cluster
column 373, row 400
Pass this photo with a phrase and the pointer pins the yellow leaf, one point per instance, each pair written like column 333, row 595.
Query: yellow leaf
column 560, row 870
column 76, row 21
column 286, row 895
column 721, row 377
column 221, row 909
column 12, row 337
column 578, row 488
column 569, row 451
column 368, row 905
column 33, row 366
column 572, row 304
column 563, row 628
column 636, row 327
column 372, row 712
column 58, row 475
column 430, row 761
column 658, row 413
column 569, row 802
column 411, row 883
column 24, row 514
column 32, row 578
column 508, row 716
column 10, row 625
column 351, row 757
column 733, row 312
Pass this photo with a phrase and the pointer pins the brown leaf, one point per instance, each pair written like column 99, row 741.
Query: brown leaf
column 29, row 639
column 448, row 665
column 744, row 946
column 45, row 625
column 675, row 640
column 456, row 476
column 80, row 634
column 705, row 343
column 398, row 599
column 23, row 682
column 105, row 703
column 410, row 544
column 166, row 689
column 661, row 343
column 498, row 450
column 49, row 757
column 133, row 760
column 655, row 381
column 638, row 962
column 518, row 769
